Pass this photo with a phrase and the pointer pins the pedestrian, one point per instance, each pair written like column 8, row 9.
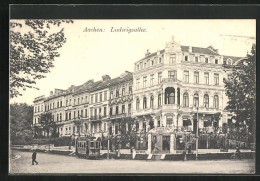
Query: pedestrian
column 238, row 153
column 34, row 157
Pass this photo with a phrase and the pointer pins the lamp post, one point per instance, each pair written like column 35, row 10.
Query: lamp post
column 197, row 133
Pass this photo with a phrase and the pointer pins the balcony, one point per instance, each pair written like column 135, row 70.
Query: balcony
column 170, row 106
column 118, row 116
column 95, row 118
column 169, row 80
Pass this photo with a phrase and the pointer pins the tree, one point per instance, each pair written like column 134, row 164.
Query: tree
column 241, row 91
column 21, row 117
column 47, row 122
column 34, row 45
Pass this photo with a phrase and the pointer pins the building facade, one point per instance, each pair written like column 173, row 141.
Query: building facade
column 172, row 90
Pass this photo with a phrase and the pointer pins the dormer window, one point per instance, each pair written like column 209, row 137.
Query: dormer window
column 224, row 62
column 137, row 68
column 216, row 61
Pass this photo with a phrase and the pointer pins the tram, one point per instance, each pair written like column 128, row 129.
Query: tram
column 88, row 148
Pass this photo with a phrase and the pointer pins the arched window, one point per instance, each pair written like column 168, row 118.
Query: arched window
column 169, row 95
column 196, row 100
column 159, row 100
column 151, row 101
column 215, row 102
column 137, row 103
column 186, row 99
column 206, row 100
column 144, row 103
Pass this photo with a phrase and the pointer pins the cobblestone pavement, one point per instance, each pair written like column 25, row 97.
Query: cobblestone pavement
column 50, row 163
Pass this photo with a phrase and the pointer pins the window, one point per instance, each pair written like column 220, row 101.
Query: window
column 129, row 108
column 224, row 62
column 99, row 111
column 170, row 95
column 60, row 117
column 137, row 126
column 137, row 67
column 141, row 65
column 111, row 95
column 78, row 114
column 78, row 100
column 216, row 61
column 172, row 58
column 57, row 117
column 144, row 103
column 186, row 76
column 159, row 77
column 130, row 89
column 111, row 111
column 123, row 109
column 69, row 115
column 105, row 96
column 169, row 122
column 160, row 60
column 91, row 99
column 215, row 102
column 144, row 64
column 186, row 99
column 53, row 106
column 196, row 100
column 96, row 97
column 116, row 129
column 74, row 114
column 206, row 60
column 67, row 102
column 216, row 79
column 105, row 127
column 86, row 98
column 74, row 101
column 60, row 103
column 117, row 93
column 152, row 62
column 105, row 111
column 123, row 91
column 151, row 79
column 86, row 113
column 196, row 77
column 186, row 58
column 100, row 97
column 70, row 102
column 206, row 100
column 137, row 84
column 206, row 78
column 159, row 100
column 196, row 59
column 151, row 101
column 172, row 74
column 137, row 103
column 81, row 114
column 144, row 81
column 116, row 109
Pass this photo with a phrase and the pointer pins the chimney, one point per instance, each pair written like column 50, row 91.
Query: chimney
column 106, row 77
column 147, row 53
column 190, row 49
column 51, row 93
column 172, row 37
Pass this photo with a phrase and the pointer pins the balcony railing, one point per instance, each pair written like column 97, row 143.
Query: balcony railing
column 122, row 115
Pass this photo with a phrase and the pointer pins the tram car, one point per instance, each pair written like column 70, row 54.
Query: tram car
column 88, row 148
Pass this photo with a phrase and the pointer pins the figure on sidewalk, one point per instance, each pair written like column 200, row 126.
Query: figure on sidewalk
column 34, row 157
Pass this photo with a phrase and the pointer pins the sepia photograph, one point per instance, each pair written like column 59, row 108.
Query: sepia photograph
column 132, row 96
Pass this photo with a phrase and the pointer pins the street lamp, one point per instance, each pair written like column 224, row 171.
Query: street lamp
column 197, row 133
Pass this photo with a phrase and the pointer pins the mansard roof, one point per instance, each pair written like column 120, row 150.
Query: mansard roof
column 112, row 82
column 199, row 50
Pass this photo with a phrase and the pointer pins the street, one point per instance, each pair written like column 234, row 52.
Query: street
column 51, row 163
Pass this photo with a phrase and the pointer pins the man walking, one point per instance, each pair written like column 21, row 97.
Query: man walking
column 34, row 157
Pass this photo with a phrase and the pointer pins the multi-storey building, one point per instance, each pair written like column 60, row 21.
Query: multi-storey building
column 174, row 86
column 166, row 93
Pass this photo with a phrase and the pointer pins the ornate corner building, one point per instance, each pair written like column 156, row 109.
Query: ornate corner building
column 167, row 91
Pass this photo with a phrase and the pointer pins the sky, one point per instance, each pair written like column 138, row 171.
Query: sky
column 89, row 55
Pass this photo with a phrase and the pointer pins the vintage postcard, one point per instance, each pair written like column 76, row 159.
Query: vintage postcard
column 168, row 96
